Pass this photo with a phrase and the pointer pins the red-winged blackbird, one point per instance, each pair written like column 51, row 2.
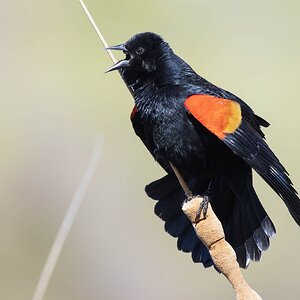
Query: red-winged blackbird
column 213, row 138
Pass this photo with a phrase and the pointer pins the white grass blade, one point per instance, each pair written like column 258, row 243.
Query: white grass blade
column 101, row 37
column 68, row 222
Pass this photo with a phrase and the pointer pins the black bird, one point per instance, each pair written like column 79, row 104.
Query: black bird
column 213, row 138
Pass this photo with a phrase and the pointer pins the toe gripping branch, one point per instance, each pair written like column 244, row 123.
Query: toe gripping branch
column 203, row 208
column 209, row 230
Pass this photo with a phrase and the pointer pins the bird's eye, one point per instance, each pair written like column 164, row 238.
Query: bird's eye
column 140, row 50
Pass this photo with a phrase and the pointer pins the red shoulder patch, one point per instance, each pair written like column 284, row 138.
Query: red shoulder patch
column 134, row 111
column 220, row 116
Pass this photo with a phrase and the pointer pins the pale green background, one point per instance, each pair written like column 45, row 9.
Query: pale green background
column 55, row 99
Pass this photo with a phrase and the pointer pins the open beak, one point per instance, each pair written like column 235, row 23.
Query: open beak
column 120, row 47
column 122, row 64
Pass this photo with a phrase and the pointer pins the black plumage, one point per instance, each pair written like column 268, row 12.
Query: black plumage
column 217, row 165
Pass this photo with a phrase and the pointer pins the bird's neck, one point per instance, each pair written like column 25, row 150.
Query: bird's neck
column 171, row 69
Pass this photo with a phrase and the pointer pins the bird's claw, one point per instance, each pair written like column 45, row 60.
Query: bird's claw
column 203, row 207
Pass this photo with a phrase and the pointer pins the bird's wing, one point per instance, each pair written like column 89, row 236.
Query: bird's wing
column 227, row 120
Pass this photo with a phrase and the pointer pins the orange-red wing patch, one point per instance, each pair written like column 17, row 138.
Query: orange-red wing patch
column 218, row 115
column 134, row 111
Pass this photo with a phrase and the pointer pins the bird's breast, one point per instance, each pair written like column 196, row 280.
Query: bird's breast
column 176, row 139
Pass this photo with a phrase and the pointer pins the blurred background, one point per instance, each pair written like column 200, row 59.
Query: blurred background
column 55, row 99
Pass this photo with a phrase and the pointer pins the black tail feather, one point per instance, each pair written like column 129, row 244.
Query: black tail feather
column 246, row 225
column 170, row 197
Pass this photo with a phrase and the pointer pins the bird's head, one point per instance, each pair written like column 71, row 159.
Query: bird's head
column 144, row 54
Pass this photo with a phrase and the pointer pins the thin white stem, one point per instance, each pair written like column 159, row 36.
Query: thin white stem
column 182, row 182
column 68, row 222
column 101, row 37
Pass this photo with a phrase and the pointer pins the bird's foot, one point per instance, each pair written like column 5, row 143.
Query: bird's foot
column 203, row 207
